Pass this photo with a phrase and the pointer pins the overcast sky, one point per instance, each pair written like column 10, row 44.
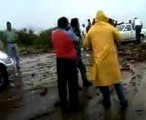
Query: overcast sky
column 43, row 14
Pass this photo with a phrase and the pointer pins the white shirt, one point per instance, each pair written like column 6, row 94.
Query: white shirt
column 83, row 30
column 137, row 22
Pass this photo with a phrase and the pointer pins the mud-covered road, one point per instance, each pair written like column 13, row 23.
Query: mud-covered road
column 33, row 92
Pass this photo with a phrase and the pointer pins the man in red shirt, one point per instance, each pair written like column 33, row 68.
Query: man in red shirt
column 63, row 43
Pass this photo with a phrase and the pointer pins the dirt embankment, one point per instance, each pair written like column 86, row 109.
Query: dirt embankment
column 133, row 52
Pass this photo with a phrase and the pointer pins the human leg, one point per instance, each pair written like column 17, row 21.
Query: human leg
column 120, row 93
column 106, row 96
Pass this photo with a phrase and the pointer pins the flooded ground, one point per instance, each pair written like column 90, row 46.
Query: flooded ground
column 33, row 93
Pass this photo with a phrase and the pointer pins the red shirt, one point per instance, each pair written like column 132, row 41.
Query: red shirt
column 63, row 44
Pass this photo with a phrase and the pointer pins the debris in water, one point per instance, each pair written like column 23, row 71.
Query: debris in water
column 33, row 74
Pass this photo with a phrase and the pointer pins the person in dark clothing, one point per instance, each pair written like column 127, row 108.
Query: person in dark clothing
column 75, row 29
column 88, row 26
column 93, row 22
column 66, row 65
column 111, row 21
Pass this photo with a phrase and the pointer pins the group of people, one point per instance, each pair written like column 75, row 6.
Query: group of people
column 104, row 71
column 136, row 25
column 85, row 29
column 67, row 43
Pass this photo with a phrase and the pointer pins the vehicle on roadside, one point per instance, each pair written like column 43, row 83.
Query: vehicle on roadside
column 128, row 33
column 7, row 68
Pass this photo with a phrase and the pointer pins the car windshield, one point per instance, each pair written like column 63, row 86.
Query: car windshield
column 120, row 27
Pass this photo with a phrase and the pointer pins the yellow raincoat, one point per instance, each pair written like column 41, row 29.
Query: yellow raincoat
column 101, row 38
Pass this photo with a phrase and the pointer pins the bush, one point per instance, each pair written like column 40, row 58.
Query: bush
column 44, row 39
column 26, row 38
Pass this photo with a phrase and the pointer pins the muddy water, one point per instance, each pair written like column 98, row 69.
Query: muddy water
column 29, row 92
column 32, row 93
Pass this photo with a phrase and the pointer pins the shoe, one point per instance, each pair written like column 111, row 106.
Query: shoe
column 87, row 84
column 64, row 108
column 124, row 105
column 107, row 105
column 57, row 104
column 74, row 109
column 18, row 67
column 80, row 88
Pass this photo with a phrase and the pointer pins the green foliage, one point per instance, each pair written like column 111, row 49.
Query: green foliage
column 1, row 34
column 27, row 38
column 44, row 39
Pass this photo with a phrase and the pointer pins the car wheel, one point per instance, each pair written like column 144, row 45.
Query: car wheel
column 3, row 78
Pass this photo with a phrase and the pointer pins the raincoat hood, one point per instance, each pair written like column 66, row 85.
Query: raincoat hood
column 101, row 17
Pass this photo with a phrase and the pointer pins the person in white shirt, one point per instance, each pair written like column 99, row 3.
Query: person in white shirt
column 83, row 31
column 137, row 26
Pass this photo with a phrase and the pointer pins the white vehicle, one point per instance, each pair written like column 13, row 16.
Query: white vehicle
column 7, row 68
column 128, row 33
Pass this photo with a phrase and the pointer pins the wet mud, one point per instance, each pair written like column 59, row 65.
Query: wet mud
column 32, row 92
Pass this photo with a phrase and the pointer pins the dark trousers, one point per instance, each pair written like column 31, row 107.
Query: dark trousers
column 106, row 94
column 138, row 31
column 67, row 80
column 82, row 68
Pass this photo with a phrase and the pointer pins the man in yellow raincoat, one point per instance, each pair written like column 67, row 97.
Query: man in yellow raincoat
column 105, row 68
